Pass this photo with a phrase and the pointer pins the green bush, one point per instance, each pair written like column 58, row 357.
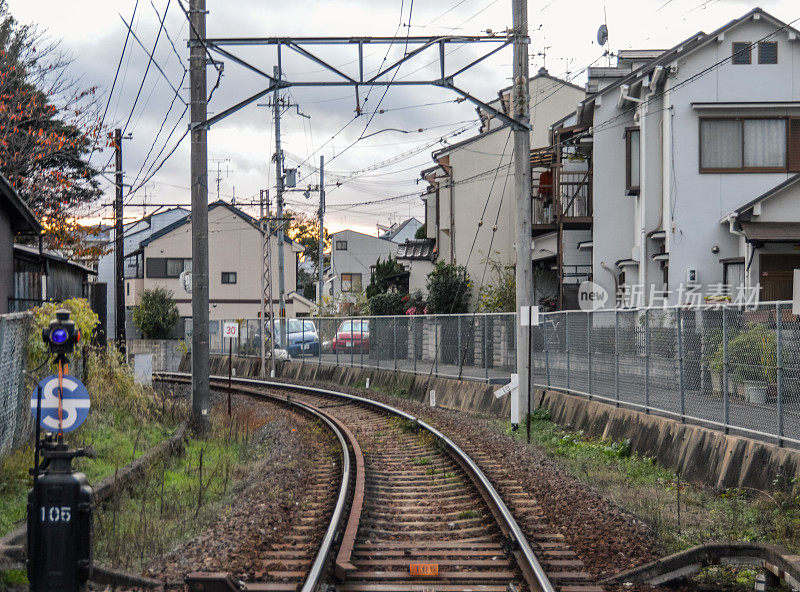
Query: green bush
column 500, row 295
column 80, row 312
column 156, row 314
column 387, row 304
column 421, row 232
column 753, row 354
column 387, row 275
column 448, row 289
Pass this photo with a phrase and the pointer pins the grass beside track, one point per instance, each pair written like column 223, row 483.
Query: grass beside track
column 125, row 421
column 179, row 496
column 681, row 514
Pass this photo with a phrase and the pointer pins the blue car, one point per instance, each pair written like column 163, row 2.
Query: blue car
column 301, row 337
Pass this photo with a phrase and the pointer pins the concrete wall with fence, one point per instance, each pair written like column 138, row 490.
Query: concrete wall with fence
column 469, row 346
column 731, row 368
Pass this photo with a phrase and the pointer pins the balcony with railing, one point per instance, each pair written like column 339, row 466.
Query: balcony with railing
column 562, row 194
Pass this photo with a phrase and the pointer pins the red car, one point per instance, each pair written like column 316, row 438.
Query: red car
column 352, row 336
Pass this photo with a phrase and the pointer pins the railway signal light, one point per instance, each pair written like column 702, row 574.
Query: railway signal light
column 61, row 335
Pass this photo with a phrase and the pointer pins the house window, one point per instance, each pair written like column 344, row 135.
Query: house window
column 733, row 273
column 768, row 52
column 744, row 144
column 341, row 245
column 228, row 277
column 632, row 171
column 741, row 53
column 351, row 282
column 177, row 266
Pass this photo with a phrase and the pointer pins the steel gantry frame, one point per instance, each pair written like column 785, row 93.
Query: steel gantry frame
column 299, row 45
column 201, row 48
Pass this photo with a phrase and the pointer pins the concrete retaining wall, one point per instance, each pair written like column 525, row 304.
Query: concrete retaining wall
column 470, row 396
column 699, row 454
column 167, row 353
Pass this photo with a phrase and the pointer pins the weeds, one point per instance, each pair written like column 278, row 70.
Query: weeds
column 469, row 514
column 177, row 497
column 421, row 461
column 680, row 514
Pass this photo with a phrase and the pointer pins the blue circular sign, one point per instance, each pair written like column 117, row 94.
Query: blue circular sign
column 74, row 403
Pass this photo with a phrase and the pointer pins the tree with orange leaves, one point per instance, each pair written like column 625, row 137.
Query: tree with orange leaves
column 48, row 128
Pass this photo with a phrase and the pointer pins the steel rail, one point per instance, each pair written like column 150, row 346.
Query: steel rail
column 343, row 435
column 531, row 568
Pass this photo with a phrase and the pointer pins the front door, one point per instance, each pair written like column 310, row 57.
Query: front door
column 776, row 276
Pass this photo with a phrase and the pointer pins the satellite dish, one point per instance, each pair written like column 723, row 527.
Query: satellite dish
column 602, row 34
column 185, row 280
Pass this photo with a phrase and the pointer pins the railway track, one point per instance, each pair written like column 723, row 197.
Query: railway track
column 421, row 513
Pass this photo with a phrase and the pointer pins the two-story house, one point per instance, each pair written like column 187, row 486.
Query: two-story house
column 695, row 155
column 353, row 255
column 133, row 234
column 470, row 211
column 234, row 266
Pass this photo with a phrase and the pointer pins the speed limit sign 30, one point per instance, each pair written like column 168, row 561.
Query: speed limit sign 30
column 230, row 329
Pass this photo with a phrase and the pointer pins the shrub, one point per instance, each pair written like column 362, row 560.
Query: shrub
column 448, row 289
column 753, row 354
column 156, row 314
column 387, row 275
column 500, row 295
column 80, row 312
column 387, row 304
column 421, row 232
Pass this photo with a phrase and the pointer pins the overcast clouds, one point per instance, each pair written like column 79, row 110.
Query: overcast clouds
column 93, row 32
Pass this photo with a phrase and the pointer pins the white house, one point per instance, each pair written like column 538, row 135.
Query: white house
column 695, row 155
column 399, row 232
column 470, row 200
column 353, row 255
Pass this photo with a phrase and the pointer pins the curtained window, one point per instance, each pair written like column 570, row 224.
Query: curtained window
column 743, row 144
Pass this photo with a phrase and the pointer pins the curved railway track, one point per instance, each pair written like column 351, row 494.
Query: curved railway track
column 422, row 515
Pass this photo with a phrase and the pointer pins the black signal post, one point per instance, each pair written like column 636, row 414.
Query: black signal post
column 60, row 503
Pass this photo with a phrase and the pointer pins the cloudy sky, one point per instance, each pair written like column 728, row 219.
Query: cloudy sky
column 563, row 37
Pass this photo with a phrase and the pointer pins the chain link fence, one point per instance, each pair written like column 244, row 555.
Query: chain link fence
column 731, row 368
column 468, row 346
column 15, row 418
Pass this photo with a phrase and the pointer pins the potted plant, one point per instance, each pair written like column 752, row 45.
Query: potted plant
column 752, row 355
column 713, row 359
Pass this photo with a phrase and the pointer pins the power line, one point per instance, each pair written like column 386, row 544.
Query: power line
column 147, row 69
column 114, row 83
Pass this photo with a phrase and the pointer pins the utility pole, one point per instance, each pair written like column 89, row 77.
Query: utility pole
column 522, row 178
column 263, row 316
column 119, row 249
column 279, row 195
column 321, row 257
column 199, row 190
